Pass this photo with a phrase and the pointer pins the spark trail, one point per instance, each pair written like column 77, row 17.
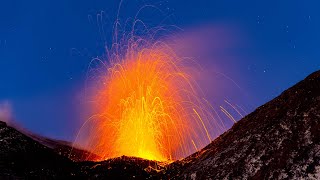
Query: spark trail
column 147, row 103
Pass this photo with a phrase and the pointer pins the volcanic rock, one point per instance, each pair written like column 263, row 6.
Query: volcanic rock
column 65, row 148
column 22, row 157
column 279, row 140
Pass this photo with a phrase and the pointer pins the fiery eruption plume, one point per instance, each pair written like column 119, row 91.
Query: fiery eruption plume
column 147, row 104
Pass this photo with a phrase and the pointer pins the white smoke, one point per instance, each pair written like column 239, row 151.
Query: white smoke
column 5, row 111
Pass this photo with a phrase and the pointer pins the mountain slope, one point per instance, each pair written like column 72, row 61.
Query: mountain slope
column 64, row 148
column 21, row 156
column 279, row 140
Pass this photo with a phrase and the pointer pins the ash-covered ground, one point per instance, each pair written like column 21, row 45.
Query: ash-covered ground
column 279, row 140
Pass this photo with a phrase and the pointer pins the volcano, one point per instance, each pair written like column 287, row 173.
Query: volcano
column 279, row 140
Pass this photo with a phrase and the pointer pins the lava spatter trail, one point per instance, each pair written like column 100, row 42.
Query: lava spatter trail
column 146, row 103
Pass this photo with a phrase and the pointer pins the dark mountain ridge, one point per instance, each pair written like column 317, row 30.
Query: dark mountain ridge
column 279, row 140
column 21, row 156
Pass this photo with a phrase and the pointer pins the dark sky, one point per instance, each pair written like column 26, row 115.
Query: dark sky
column 46, row 46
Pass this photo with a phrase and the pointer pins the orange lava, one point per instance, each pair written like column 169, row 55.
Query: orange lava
column 147, row 105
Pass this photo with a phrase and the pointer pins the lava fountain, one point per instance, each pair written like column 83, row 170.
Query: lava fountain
column 147, row 104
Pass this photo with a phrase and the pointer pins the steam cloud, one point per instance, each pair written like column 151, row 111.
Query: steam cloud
column 5, row 111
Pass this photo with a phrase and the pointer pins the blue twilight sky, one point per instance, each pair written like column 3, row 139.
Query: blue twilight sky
column 46, row 46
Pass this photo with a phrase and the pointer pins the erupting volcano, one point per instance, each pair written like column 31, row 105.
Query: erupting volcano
column 147, row 104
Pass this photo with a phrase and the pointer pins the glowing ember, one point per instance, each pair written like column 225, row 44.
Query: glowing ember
column 148, row 105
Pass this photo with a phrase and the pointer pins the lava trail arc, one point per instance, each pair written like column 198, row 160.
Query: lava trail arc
column 147, row 104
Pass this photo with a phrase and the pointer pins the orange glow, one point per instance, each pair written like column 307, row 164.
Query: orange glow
column 147, row 104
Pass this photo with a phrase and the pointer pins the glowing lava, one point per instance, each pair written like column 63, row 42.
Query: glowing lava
column 148, row 105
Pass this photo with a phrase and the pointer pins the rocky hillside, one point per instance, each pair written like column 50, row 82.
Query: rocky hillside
column 279, row 140
column 64, row 148
column 21, row 156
